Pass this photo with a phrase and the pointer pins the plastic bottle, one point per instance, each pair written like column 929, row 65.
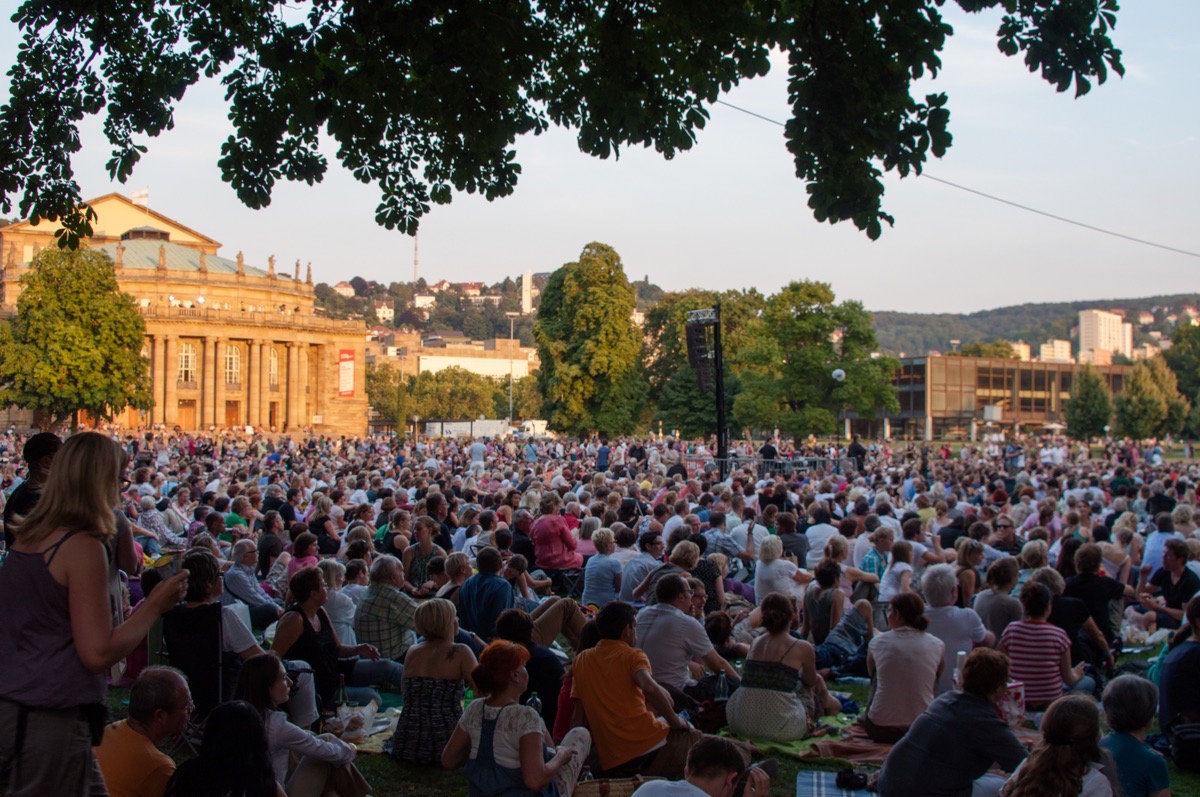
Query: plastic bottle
column 721, row 691
column 959, row 660
column 534, row 703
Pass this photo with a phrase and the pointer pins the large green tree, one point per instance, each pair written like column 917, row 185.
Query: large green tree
column 682, row 405
column 1141, row 408
column 1184, row 358
column 75, row 342
column 665, row 340
column 426, row 99
column 589, row 346
column 388, row 395
column 452, row 394
column 1177, row 406
column 1090, row 408
column 801, row 339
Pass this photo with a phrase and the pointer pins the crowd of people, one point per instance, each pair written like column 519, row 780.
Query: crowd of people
column 546, row 607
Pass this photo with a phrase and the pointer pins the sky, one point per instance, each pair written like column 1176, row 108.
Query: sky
column 730, row 214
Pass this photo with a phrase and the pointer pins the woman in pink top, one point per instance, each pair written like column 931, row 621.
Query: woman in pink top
column 304, row 553
column 904, row 665
column 553, row 541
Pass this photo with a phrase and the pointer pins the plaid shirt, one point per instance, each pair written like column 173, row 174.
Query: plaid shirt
column 385, row 619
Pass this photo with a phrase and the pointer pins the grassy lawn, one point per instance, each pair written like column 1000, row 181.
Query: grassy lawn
column 391, row 779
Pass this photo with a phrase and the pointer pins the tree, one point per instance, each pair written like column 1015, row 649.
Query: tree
column 589, row 346
column 1177, row 406
column 1000, row 349
column 683, row 406
column 388, row 395
column 1184, row 358
column 76, row 341
column 426, row 99
column 665, row 329
column 792, row 353
column 1090, row 408
column 1141, row 408
column 452, row 394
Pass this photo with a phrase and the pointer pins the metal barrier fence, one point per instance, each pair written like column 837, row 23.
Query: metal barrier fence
column 765, row 468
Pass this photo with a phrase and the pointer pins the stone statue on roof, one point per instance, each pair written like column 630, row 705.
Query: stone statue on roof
column 11, row 260
column 241, row 261
column 120, row 253
column 271, row 266
column 308, row 278
column 162, row 257
column 203, row 262
column 297, row 269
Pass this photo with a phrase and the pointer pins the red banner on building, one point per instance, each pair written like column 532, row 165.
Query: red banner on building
column 345, row 373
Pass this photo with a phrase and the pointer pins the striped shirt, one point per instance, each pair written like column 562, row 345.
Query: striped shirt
column 1035, row 650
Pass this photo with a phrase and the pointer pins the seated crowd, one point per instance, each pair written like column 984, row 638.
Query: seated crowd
column 608, row 617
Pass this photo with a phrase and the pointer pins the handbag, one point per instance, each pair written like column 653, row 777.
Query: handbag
column 609, row 787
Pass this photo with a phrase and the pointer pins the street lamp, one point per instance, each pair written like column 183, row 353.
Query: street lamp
column 511, row 320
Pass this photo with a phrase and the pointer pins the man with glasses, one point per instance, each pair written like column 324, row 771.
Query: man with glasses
column 159, row 707
column 1005, row 538
column 637, row 568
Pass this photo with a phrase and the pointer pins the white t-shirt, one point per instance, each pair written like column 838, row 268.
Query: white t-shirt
column 739, row 536
column 235, row 636
column 818, row 535
column 669, row 788
column 960, row 629
column 515, row 721
column 777, row 576
column 862, row 544
column 889, row 585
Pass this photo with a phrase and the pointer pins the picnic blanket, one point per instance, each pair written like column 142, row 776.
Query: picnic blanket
column 383, row 727
column 856, row 747
column 822, row 784
column 798, row 748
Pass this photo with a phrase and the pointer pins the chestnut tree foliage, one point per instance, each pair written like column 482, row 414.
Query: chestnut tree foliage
column 423, row 98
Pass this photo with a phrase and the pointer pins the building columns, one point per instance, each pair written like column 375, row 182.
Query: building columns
column 264, row 384
column 208, row 404
column 305, row 394
column 219, row 391
column 293, row 387
column 171, row 372
column 252, row 391
column 158, row 375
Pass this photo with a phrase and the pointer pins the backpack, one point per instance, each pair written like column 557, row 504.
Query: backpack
column 1185, row 745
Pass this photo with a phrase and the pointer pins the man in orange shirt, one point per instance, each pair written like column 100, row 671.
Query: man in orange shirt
column 617, row 700
column 159, row 707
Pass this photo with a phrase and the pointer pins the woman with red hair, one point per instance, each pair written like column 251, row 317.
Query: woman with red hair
column 504, row 745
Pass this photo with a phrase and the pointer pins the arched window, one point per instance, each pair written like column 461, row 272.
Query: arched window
column 187, row 362
column 233, row 365
column 273, row 367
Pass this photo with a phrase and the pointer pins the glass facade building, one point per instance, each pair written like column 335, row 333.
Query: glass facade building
column 963, row 397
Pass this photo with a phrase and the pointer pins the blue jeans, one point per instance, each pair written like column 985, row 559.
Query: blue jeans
column 368, row 674
column 149, row 545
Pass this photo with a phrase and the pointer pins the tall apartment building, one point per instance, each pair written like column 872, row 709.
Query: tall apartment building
column 1100, row 330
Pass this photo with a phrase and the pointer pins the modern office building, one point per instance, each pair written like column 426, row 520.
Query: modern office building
column 965, row 397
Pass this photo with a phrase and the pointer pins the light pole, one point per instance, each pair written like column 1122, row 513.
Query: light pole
column 511, row 320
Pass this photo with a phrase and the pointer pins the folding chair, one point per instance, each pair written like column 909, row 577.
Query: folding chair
column 192, row 640
column 567, row 583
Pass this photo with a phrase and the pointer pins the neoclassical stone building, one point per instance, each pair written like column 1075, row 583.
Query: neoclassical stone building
column 228, row 344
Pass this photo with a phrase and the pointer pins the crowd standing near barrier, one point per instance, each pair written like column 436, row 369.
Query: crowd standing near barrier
column 548, row 610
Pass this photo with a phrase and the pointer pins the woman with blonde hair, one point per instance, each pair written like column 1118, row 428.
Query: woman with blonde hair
column 969, row 557
column 1034, row 555
column 340, row 606
column 774, row 573
column 54, row 587
column 436, row 672
column 602, row 574
column 852, row 580
column 1067, row 760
